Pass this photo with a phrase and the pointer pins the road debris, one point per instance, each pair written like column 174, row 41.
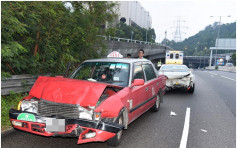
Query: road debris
column 203, row 130
column 172, row 113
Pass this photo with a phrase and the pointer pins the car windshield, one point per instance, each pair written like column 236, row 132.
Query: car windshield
column 180, row 68
column 107, row 72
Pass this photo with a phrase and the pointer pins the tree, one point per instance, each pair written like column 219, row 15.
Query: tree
column 124, row 31
column 200, row 43
column 42, row 37
column 233, row 57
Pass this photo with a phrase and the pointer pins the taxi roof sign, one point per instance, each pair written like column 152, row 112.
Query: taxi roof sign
column 115, row 54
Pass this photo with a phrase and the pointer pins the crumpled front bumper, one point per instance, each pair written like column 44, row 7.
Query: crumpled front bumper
column 73, row 127
column 178, row 83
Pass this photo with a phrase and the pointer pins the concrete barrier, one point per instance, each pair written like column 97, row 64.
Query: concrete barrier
column 224, row 68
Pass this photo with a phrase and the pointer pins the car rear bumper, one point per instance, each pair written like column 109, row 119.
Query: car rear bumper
column 177, row 83
column 101, row 131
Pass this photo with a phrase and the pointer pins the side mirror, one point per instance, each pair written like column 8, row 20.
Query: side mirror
column 138, row 82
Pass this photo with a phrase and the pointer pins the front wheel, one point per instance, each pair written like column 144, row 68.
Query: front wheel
column 156, row 107
column 115, row 141
column 191, row 90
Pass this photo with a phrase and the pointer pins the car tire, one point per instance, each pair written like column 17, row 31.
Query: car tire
column 116, row 140
column 191, row 90
column 156, row 107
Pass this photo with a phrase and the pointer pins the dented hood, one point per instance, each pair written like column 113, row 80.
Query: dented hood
column 65, row 90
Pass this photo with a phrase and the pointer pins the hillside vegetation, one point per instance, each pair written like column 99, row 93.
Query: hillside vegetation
column 200, row 43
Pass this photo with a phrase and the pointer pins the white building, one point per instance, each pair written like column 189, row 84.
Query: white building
column 134, row 14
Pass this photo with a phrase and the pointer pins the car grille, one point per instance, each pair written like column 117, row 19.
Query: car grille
column 48, row 108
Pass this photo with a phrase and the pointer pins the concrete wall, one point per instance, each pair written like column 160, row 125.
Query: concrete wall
column 134, row 12
column 132, row 48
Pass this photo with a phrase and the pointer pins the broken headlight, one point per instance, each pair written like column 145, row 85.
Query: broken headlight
column 97, row 116
column 30, row 105
column 85, row 113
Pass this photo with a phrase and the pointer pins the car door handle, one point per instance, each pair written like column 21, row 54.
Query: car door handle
column 146, row 88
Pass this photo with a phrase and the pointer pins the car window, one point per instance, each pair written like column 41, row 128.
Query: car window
column 174, row 68
column 107, row 72
column 149, row 71
column 138, row 72
column 171, row 55
column 177, row 56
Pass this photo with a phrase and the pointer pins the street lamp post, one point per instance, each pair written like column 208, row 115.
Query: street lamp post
column 131, row 35
column 217, row 39
column 165, row 37
column 146, row 35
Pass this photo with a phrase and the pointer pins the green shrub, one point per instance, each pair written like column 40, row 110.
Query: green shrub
column 7, row 102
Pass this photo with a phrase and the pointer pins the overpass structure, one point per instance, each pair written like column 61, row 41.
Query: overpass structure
column 197, row 61
column 203, row 61
column 153, row 51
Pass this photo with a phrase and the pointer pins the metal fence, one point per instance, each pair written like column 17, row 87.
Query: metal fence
column 18, row 83
column 109, row 38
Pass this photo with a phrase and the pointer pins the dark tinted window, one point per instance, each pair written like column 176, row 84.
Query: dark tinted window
column 149, row 71
column 176, row 55
column 171, row 55
column 138, row 73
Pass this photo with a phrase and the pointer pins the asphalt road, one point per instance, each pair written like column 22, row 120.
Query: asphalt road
column 212, row 120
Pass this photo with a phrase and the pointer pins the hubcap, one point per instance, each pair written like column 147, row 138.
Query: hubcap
column 120, row 132
column 157, row 101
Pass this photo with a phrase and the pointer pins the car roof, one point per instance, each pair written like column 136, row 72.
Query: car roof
column 122, row 60
column 173, row 65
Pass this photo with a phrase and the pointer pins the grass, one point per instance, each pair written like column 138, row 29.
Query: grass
column 8, row 102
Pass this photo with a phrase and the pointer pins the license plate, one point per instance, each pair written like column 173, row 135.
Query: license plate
column 55, row 125
column 26, row 117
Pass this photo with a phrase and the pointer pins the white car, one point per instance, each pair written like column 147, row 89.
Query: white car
column 178, row 76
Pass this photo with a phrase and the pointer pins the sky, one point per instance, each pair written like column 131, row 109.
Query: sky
column 194, row 15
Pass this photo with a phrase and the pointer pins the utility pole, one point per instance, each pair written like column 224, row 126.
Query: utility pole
column 218, row 35
column 165, row 36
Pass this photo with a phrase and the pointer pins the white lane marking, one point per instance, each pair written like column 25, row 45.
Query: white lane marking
column 228, row 78
column 212, row 73
column 184, row 138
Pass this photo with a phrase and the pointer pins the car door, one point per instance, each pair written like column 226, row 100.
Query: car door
column 151, row 85
column 138, row 93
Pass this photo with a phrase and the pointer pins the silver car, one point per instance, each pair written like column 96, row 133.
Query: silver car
column 178, row 76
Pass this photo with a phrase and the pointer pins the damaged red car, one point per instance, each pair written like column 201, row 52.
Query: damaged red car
column 96, row 103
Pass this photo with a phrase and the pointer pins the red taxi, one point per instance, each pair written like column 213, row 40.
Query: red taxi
column 96, row 103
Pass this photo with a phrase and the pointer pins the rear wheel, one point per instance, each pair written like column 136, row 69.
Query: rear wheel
column 156, row 107
column 191, row 90
column 115, row 141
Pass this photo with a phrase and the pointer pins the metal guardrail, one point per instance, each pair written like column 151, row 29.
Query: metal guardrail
column 18, row 83
column 109, row 38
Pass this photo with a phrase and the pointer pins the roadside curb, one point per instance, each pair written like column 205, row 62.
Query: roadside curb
column 7, row 132
column 220, row 70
